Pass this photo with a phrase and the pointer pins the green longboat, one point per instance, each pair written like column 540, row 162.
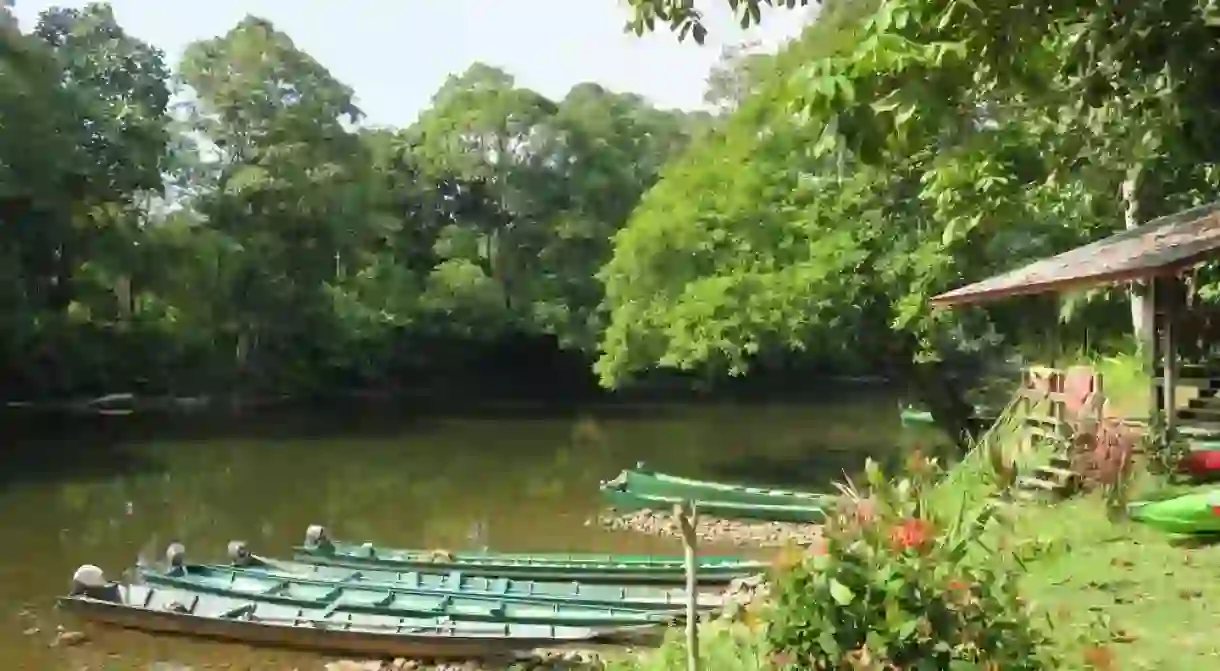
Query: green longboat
column 641, row 480
column 458, row 584
column 620, row 498
column 1196, row 513
column 358, row 597
column 330, row 629
column 630, row 569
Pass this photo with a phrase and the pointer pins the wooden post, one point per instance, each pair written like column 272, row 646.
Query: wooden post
column 1148, row 347
column 1169, row 353
column 688, row 518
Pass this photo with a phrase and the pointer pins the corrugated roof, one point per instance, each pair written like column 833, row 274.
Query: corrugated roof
column 1162, row 246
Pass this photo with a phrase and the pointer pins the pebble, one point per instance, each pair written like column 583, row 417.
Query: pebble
column 538, row 660
column 761, row 534
column 68, row 638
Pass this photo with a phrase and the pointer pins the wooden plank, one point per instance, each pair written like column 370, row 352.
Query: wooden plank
column 1029, row 481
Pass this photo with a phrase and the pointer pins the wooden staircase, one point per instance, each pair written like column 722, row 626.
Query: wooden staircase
column 1197, row 397
column 1051, row 482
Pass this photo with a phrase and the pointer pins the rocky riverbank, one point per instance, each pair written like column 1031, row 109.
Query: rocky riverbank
column 760, row 534
column 539, row 660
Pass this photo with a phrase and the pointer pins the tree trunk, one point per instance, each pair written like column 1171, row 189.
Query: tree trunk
column 1131, row 219
column 941, row 393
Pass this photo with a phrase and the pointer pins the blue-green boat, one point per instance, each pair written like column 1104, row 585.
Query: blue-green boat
column 389, row 599
column 330, row 629
column 614, row 569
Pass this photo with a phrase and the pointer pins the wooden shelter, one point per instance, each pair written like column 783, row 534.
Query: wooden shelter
column 1156, row 255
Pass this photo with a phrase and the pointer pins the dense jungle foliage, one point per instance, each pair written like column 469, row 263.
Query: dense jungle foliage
column 234, row 226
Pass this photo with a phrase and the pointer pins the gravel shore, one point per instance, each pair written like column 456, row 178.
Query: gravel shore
column 759, row 534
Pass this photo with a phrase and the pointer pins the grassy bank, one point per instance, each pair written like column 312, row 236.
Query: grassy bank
column 1115, row 594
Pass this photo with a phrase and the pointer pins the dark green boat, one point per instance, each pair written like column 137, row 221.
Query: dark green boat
column 332, row 628
column 621, row 498
column 911, row 417
column 641, row 480
column 631, row 569
column 359, row 597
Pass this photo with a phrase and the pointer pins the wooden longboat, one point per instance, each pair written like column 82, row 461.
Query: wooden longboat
column 388, row 599
column 618, row 496
column 642, row 480
column 612, row 569
column 635, row 597
column 327, row 630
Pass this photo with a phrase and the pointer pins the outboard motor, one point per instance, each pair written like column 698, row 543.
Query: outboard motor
column 89, row 581
column 175, row 557
column 316, row 538
column 239, row 554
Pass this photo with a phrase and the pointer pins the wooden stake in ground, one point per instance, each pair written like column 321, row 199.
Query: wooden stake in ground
column 688, row 518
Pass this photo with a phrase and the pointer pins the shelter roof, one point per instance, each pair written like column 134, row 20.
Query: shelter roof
column 1163, row 246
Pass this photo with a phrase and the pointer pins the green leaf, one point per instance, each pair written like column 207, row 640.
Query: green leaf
column 841, row 593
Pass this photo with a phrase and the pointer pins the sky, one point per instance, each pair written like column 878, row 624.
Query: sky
column 396, row 53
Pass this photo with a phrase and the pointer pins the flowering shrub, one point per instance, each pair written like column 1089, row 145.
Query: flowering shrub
column 894, row 586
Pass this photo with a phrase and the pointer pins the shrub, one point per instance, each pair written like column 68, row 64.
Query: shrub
column 722, row 647
column 895, row 585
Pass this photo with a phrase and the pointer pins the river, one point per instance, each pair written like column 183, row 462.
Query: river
column 513, row 479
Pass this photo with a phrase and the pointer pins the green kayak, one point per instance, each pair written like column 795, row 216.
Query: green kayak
column 630, row 569
column 621, row 498
column 651, row 483
column 1197, row 513
column 358, row 597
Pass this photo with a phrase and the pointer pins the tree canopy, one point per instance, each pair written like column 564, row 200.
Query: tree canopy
column 237, row 225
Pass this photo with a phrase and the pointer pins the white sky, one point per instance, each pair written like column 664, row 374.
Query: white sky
column 396, row 53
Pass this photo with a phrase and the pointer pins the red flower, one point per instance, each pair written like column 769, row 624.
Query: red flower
column 914, row 534
column 818, row 546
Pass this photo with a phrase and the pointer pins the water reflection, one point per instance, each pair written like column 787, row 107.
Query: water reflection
column 515, row 483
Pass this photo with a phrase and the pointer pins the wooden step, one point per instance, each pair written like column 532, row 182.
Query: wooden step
column 1056, row 473
column 1209, row 383
column 1030, row 482
column 1061, row 461
column 1208, row 414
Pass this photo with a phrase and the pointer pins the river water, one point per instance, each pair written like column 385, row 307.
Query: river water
column 511, row 479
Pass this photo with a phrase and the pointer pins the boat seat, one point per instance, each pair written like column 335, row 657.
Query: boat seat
column 500, row 585
column 244, row 611
column 179, row 607
column 278, row 588
column 455, row 577
column 385, row 600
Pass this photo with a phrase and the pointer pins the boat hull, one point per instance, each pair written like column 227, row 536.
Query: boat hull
column 1190, row 514
column 326, row 635
column 389, row 600
column 648, row 597
column 622, row 499
column 635, row 570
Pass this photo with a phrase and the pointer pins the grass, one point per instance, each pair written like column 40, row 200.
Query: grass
column 1117, row 595
column 1123, row 588
column 723, row 647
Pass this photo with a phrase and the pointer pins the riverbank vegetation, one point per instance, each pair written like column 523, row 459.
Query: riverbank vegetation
column 1060, row 587
column 234, row 227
